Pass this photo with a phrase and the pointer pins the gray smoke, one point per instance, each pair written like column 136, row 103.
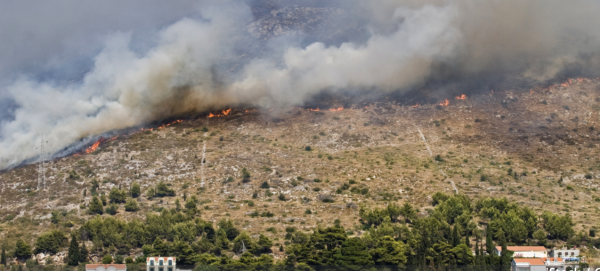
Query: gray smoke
column 198, row 57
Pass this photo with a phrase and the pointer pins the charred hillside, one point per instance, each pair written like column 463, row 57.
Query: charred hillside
column 262, row 170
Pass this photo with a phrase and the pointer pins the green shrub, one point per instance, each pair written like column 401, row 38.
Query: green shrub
column 112, row 209
column 131, row 206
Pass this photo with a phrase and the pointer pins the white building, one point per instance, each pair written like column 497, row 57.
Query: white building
column 530, row 264
column 105, row 267
column 554, row 264
column 160, row 264
column 565, row 253
column 525, row 251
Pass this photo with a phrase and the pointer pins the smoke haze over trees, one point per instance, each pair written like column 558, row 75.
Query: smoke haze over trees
column 74, row 70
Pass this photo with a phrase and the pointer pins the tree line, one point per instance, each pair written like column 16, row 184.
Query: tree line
column 446, row 234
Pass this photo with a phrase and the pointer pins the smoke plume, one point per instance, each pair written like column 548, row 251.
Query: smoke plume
column 198, row 57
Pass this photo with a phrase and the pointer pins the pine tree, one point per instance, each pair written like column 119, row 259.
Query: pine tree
column 483, row 260
column 159, row 247
column 84, row 253
column 96, row 206
column 3, row 255
column 455, row 236
column 506, row 255
column 467, row 241
column 489, row 244
column 22, row 250
column 135, row 190
column 74, row 255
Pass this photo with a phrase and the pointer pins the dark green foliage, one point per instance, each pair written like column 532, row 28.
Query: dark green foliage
column 222, row 241
column 438, row 237
column 117, row 196
column 245, row 175
column 150, row 193
column 231, row 231
column 54, row 218
column 3, row 255
column 264, row 243
column 265, row 185
column 112, row 209
column 307, row 148
column 50, row 242
column 135, row 190
column 83, row 253
column 22, row 250
column 96, row 206
column 560, row 227
column 74, row 256
column 354, row 252
column 191, row 206
column 131, row 206
column 162, row 190
column 159, row 247
column 281, row 197
column 118, row 259
column 107, row 259
column 103, row 199
column 489, row 244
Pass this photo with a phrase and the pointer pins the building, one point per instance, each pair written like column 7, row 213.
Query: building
column 565, row 253
column 528, row 264
column 160, row 264
column 525, row 251
column 105, row 267
column 554, row 264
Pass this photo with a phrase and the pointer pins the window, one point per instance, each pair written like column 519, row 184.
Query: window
column 572, row 253
column 170, row 262
column 559, row 254
column 160, row 262
column 160, row 269
column 152, row 263
column 170, row 269
column 151, row 269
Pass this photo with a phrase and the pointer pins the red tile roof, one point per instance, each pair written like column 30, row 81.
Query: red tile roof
column 552, row 259
column 94, row 266
column 531, row 261
column 523, row 248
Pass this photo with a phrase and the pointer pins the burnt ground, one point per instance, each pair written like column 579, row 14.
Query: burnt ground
column 549, row 137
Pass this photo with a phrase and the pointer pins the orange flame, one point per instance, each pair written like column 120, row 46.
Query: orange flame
column 336, row 109
column 226, row 112
column 309, row 109
column 416, row 105
column 461, row 97
column 95, row 146
column 210, row 115
column 445, row 102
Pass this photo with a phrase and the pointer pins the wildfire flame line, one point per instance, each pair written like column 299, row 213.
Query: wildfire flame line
column 94, row 146
column 337, row 109
column 445, row 102
column 461, row 97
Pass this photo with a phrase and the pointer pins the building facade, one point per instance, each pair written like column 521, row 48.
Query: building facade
column 525, row 251
column 105, row 267
column 160, row 264
column 528, row 264
column 565, row 253
column 554, row 264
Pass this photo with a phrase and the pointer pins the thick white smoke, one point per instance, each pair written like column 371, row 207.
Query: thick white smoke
column 185, row 72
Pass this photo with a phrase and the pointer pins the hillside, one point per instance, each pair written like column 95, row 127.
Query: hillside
column 537, row 148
